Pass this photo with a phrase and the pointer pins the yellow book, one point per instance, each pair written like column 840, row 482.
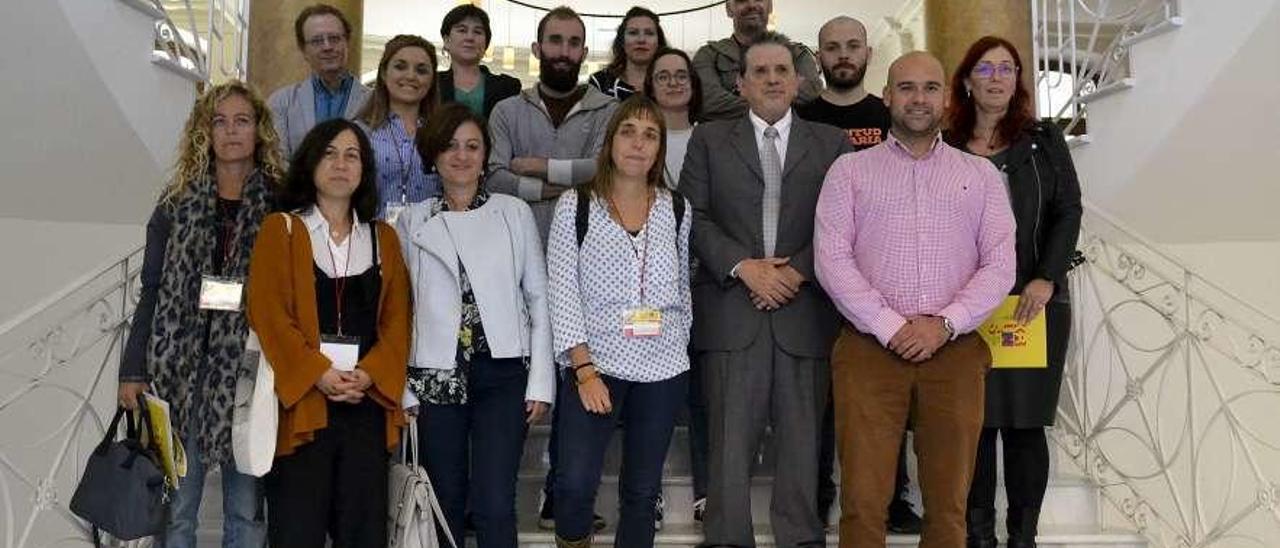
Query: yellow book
column 1013, row 345
column 173, row 457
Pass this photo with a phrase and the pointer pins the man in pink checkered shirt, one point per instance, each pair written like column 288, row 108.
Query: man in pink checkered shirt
column 914, row 243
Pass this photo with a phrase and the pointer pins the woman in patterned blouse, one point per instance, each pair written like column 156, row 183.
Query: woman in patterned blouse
column 480, row 367
column 621, row 316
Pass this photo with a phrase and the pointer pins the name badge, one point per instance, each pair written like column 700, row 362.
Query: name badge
column 220, row 293
column 344, row 352
column 642, row 322
column 393, row 211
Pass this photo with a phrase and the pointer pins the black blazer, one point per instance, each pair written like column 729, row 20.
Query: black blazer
column 724, row 183
column 496, row 87
column 1044, row 192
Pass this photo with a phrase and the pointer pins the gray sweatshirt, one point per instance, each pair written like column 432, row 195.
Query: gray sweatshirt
column 520, row 126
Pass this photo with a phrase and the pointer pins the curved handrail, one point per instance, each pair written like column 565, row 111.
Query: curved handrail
column 1086, row 43
column 47, row 303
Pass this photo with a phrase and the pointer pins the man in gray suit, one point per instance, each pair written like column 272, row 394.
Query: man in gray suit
column 762, row 327
column 331, row 91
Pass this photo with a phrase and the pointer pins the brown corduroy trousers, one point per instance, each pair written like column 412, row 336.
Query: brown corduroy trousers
column 875, row 393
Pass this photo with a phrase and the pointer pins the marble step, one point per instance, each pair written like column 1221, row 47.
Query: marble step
column 691, row 535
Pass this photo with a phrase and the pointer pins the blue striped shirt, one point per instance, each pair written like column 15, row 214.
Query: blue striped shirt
column 401, row 177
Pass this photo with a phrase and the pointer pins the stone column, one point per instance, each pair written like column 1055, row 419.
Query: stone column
column 951, row 26
column 274, row 57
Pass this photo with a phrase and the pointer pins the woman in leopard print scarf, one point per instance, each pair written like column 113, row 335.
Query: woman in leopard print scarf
column 204, row 227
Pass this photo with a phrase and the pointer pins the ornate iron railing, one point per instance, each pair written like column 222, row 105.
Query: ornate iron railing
column 1081, row 49
column 1170, row 395
column 57, row 383
column 205, row 40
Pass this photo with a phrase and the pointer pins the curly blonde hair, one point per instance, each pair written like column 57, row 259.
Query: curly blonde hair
column 195, row 149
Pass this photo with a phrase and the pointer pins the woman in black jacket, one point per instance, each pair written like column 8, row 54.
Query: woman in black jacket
column 465, row 33
column 992, row 116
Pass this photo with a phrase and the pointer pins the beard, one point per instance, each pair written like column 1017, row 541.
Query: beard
column 560, row 74
column 752, row 28
column 835, row 82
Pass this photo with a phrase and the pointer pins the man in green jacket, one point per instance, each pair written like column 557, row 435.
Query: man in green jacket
column 717, row 62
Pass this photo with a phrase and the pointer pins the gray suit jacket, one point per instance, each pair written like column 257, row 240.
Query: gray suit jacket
column 724, row 184
column 294, row 109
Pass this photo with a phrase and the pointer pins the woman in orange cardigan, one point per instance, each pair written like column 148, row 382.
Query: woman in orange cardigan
column 329, row 298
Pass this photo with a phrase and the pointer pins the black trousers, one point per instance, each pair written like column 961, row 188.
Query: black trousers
column 335, row 486
column 1026, row 469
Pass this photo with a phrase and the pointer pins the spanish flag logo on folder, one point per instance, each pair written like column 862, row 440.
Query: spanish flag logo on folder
column 1013, row 345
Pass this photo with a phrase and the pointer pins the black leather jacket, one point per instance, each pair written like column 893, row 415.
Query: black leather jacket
column 1045, row 196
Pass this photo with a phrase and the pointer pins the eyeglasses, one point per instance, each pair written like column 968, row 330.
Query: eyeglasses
column 326, row 40
column 679, row 78
column 991, row 70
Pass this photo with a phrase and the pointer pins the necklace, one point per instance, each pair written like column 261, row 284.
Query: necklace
column 648, row 201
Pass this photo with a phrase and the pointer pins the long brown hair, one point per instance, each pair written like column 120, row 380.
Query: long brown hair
column 618, row 65
column 376, row 110
column 642, row 108
column 963, row 114
column 195, row 148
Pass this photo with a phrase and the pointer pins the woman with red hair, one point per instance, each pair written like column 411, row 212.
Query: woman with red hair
column 992, row 115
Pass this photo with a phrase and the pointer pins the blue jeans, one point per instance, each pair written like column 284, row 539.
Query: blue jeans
column 647, row 411
column 474, row 449
column 243, row 523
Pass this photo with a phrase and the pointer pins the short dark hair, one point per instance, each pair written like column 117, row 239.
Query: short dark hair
column 318, row 9
column 768, row 38
column 561, row 12
column 618, row 64
column 462, row 13
column 300, row 183
column 433, row 139
column 695, row 83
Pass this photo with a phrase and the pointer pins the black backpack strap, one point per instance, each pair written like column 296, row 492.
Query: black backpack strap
column 581, row 223
column 581, row 219
column 677, row 207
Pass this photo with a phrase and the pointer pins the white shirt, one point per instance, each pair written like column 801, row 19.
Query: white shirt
column 677, row 145
column 784, row 134
column 332, row 258
column 593, row 285
column 758, row 126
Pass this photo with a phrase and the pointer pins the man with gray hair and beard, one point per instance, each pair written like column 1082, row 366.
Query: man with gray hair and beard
column 843, row 54
column 545, row 140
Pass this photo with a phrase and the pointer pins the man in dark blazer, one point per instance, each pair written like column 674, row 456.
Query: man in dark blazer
column 762, row 327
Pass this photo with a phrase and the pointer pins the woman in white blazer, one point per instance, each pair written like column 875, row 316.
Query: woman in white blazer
column 480, row 367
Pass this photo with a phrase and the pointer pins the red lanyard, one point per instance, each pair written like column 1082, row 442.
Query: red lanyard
column 644, row 253
column 229, row 231
column 340, row 281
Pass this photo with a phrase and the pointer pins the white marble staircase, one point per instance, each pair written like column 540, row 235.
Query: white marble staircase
column 1070, row 518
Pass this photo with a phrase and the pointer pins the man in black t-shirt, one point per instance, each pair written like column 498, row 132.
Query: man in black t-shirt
column 843, row 54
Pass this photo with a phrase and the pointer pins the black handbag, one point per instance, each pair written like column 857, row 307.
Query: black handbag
column 123, row 490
